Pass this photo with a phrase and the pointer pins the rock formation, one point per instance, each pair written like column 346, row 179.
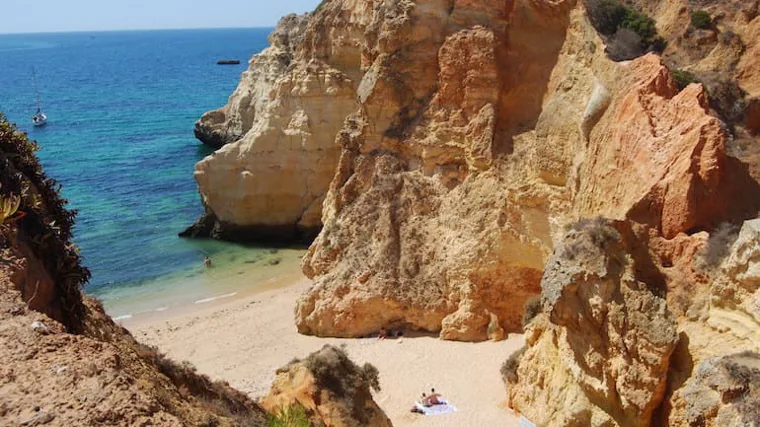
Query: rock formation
column 333, row 390
column 268, row 182
column 713, row 364
column 458, row 138
column 724, row 391
column 444, row 221
column 64, row 361
column 599, row 354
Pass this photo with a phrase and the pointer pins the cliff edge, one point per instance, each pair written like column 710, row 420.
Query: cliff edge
column 65, row 362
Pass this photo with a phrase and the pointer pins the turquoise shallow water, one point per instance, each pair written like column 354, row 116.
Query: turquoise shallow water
column 121, row 109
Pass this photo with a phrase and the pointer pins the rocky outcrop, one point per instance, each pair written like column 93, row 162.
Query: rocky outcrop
column 735, row 292
column 599, row 354
column 333, row 390
column 724, row 391
column 710, row 371
column 231, row 122
column 269, row 180
column 459, row 138
column 443, row 221
column 64, row 361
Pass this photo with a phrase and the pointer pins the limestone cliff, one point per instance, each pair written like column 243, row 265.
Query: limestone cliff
column 269, row 181
column 599, row 355
column 461, row 137
column 682, row 350
column 64, row 361
column 450, row 190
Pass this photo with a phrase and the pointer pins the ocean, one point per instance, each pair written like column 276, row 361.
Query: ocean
column 121, row 108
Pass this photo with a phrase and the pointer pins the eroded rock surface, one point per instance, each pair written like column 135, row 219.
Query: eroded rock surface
column 268, row 181
column 599, row 354
column 458, row 138
column 444, row 221
column 333, row 390
column 725, row 391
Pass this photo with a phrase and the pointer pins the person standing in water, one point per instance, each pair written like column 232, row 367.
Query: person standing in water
column 207, row 261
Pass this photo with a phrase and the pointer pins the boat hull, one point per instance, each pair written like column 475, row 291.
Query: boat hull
column 39, row 120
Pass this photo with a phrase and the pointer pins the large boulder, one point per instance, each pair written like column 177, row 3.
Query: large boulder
column 599, row 353
column 331, row 389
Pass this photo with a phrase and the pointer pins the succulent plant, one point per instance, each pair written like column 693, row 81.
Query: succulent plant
column 8, row 207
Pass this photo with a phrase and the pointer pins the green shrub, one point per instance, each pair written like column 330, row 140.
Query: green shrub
column 531, row 309
column 47, row 223
column 605, row 15
column 701, row 19
column 639, row 23
column 292, row 416
column 630, row 32
column 335, row 373
column 683, row 78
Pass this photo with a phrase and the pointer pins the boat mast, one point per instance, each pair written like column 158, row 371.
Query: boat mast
column 37, row 90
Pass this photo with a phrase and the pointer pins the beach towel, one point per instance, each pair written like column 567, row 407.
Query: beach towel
column 444, row 408
column 368, row 341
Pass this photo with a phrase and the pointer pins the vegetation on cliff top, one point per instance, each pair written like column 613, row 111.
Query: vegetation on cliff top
column 46, row 221
column 701, row 19
column 630, row 33
column 337, row 374
column 683, row 78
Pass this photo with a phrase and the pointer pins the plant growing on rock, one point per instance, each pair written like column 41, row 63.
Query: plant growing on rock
column 48, row 224
column 701, row 19
column 718, row 246
column 600, row 234
column 509, row 367
column 8, row 207
column 629, row 32
column 683, row 78
column 292, row 416
column 531, row 309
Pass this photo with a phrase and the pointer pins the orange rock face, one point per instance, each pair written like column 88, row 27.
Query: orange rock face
column 462, row 138
column 658, row 157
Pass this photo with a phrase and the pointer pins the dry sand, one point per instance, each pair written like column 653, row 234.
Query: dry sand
column 243, row 340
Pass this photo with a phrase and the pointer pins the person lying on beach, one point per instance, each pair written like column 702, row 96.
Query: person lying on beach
column 428, row 401
column 434, row 398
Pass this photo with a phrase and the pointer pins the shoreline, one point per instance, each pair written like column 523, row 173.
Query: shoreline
column 244, row 338
column 239, row 275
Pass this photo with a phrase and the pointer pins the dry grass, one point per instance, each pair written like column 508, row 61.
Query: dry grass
column 600, row 236
column 215, row 396
column 531, row 309
column 718, row 246
column 509, row 367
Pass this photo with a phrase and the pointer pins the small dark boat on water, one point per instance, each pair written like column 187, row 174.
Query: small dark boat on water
column 228, row 62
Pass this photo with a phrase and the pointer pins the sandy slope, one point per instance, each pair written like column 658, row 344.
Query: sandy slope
column 244, row 341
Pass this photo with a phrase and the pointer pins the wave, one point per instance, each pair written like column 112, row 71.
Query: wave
column 201, row 301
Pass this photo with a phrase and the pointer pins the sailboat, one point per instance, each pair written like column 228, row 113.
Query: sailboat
column 39, row 118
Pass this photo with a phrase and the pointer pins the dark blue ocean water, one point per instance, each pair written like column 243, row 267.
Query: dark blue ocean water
column 121, row 108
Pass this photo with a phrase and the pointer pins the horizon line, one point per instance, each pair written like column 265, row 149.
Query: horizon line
column 124, row 30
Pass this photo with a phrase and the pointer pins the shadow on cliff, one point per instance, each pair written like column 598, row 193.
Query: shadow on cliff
column 679, row 371
column 527, row 56
column 744, row 191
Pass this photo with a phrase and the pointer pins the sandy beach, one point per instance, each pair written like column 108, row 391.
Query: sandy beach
column 244, row 339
